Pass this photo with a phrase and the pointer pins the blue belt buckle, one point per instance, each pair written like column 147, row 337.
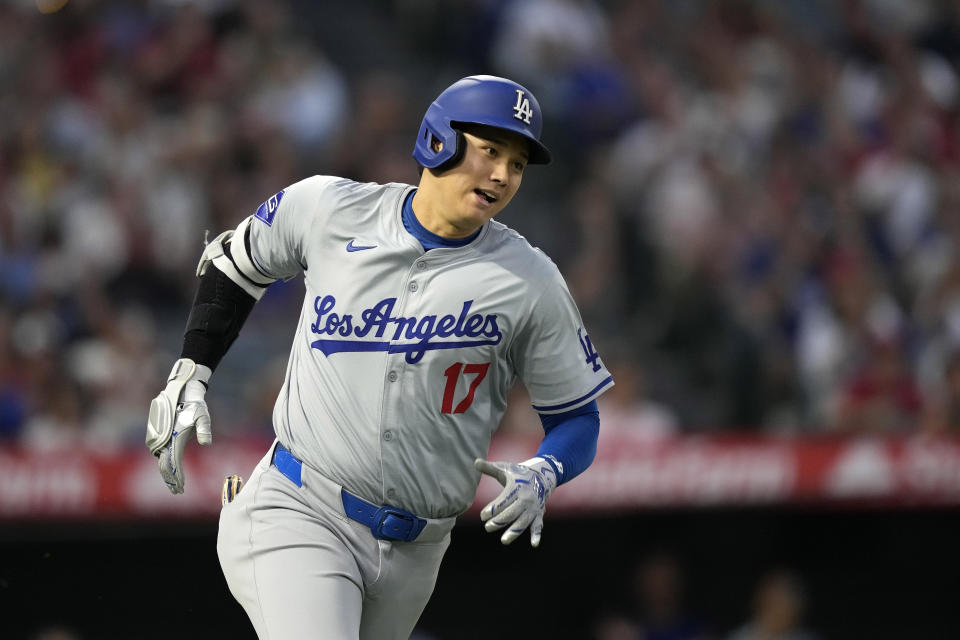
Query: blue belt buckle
column 396, row 524
column 386, row 522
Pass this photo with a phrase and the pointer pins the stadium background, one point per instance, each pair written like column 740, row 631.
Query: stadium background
column 754, row 203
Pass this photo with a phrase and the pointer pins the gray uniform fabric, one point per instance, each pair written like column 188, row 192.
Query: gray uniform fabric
column 302, row 570
column 398, row 376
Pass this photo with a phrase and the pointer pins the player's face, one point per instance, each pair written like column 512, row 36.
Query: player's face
column 462, row 199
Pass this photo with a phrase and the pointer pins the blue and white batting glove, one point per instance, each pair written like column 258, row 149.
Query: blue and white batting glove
column 526, row 487
column 178, row 411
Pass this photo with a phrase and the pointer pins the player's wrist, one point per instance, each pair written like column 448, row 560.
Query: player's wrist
column 546, row 469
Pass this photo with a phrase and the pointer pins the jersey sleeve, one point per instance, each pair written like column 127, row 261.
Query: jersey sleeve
column 273, row 239
column 554, row 355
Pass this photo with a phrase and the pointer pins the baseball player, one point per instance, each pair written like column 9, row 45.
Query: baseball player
column 420, row 313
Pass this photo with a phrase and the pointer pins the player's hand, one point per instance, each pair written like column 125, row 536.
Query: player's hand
column 176, row 413
column 523, row 500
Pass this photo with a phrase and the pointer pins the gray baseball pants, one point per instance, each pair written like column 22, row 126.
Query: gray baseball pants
column 302, row 570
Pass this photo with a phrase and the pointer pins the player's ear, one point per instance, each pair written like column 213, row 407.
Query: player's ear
column 436, row 144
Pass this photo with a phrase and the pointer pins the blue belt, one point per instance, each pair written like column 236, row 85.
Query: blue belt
column 386, row 522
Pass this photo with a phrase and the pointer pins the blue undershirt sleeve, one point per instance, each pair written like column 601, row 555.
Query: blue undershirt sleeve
column 571, row 439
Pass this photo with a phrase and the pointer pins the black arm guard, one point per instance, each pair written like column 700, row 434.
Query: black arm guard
column 219, row 310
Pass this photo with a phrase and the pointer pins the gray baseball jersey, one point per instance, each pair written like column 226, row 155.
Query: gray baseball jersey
column 403, row 359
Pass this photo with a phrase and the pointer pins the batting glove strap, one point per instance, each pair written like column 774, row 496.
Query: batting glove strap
column 549, row 468
column 522, row 502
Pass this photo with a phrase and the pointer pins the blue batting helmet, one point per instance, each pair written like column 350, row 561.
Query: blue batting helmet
column 487, row 100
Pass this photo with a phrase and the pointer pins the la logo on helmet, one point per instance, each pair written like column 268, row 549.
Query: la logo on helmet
column 522, row 110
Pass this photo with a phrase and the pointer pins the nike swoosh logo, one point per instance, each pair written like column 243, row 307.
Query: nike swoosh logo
column 359, row 247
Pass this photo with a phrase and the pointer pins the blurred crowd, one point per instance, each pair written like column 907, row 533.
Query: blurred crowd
column 659, row 608
column 755, row 204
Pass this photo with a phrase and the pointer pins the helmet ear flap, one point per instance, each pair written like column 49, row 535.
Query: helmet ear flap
column 457, row 156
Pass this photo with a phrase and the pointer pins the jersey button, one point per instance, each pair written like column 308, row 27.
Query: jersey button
column 413, row 286
column 421, row 265
column 392, row 376
column 391, row 493
column 388, row 435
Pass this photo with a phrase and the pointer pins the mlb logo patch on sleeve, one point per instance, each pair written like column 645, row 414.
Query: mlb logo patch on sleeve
column 268, row 209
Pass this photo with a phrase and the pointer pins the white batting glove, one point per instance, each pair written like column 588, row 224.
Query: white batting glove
column 526, row 487
column 175, row 414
